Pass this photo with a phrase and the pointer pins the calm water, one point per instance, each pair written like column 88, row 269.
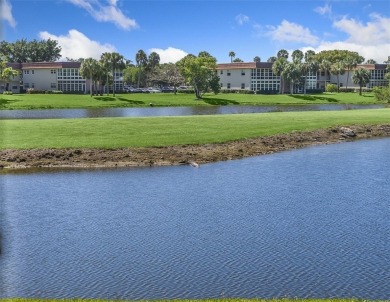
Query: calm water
column 305, row 223
column 168, row 111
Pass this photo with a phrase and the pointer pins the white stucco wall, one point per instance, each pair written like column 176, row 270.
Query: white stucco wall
column 41, row 78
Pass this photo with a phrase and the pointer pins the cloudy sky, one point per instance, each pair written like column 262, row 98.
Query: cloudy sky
column 174, row 28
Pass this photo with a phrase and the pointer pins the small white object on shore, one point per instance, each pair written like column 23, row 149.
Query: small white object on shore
column 193, row 164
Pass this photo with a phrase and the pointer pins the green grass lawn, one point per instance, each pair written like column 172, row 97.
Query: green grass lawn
column 56, row 101
column 164, row 131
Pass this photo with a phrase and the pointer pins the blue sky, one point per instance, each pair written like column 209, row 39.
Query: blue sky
column 87, row 28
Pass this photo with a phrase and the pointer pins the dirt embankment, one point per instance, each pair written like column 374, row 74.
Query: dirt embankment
column 185, row 154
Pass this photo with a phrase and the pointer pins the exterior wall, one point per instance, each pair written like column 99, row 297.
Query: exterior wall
column 235, row 78
column 40, row 79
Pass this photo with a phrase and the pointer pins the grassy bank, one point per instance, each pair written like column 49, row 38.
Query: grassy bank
column 187, row 300
column 58, row 101
column 167, row 131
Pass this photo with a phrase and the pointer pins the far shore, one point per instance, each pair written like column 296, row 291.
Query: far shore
column 194, row 155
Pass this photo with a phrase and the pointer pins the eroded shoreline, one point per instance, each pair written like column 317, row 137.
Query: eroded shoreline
column 186, row 154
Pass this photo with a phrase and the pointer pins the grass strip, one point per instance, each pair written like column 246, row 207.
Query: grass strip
column 168, row 131
column 61, row 101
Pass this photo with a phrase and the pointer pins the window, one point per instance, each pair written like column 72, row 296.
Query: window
column 228, row 72
column 32, row 85
column 53, row 71
column 221, row 85
column 32, row 71
column 242, row 85
column 53, row 85
column 221, row 72
column 14, row 87
column 27, row 72
column 26, row 85
column 242, row 72
column 228, row 85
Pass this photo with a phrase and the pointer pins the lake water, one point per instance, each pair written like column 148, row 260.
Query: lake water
column 304, row 223
column 169, row 111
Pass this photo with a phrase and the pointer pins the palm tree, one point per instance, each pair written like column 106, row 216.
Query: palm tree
column 362, row 77
column 141, row 60
column 370, row 61
column 292, row 73
column 297, row 56
column 325, row 66
column 349, row 62
column 282, row 54
column 272, row 59
column 338, row 69
column 87, row 70
column 277, row 68
column 232, row 55
column 116, row 61
column 105, row 61
column 310, row 65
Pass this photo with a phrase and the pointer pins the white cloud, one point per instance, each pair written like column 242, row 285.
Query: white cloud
column 324, row 10
column 169, row 55
column 242, row 19
column 374, row 32
column 370, row 40
column 76, row 45
column 6, row 13
column 291, row 32
column 108, row 12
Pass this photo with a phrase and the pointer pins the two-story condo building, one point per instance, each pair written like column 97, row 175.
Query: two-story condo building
column 254, row 76
column 63, row 76
column 258, row 76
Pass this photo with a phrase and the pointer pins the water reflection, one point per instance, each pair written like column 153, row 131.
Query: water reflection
column 169, row 111
column 305, row 223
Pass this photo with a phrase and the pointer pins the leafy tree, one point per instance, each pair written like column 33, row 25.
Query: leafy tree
column 338, row 69
column 256, row 59
column 361, row 77
column 23, row 51
column 169, row 74
column 204, row 54
column 87, row 70
column 237, row 60
column 277, row 68
column 130, row 75
column 232, row 55
column 370, row 61
column 142, row 61
column 6, row 75
column 198, row 72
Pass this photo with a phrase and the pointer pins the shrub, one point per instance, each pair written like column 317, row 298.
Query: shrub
column 267, row 92
column 313, row 91
column 382, row 94
column 54, row 92
column 7, row 93
column 331, row 88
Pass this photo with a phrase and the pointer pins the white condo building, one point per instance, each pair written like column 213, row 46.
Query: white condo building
column 252, row 76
